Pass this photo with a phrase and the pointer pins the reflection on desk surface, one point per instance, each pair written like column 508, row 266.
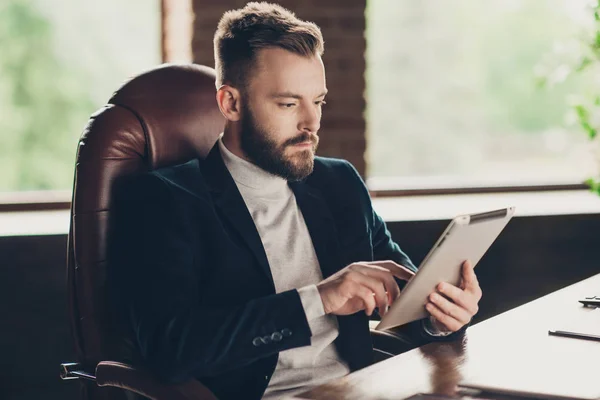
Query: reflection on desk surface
column 512, row 350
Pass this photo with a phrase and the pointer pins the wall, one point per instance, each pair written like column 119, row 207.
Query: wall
column 34, row 338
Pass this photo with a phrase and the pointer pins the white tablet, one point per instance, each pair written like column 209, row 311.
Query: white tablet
column 467, row 237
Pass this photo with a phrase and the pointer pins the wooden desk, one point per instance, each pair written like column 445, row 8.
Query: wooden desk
column 515, row 342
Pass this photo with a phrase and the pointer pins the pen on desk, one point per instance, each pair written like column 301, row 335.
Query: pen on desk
column 574, row 335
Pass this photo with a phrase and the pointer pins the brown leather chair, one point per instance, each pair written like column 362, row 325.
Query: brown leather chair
column 163, row 117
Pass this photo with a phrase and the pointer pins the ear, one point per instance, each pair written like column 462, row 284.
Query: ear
column 228, row 99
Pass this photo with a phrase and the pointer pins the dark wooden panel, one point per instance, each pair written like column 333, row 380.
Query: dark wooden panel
column 34, row 338
column 533, row 257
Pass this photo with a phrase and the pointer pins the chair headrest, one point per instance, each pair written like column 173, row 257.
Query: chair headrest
column 177, row 108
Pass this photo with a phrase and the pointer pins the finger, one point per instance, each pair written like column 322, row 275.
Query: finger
column 457, row 295
column 460, row 314
column 375, row 286
column 392, row 288
column 399, row 271
column 384, row 275
column 367, row 298
column 447, row 321
column 468, row 274
column 471, row 285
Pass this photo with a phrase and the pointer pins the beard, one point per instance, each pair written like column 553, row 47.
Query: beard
column 262, row 150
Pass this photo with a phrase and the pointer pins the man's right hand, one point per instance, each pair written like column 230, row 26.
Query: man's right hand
column 363, row 286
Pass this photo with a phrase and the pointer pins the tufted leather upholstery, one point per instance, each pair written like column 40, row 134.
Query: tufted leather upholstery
column 162, row 117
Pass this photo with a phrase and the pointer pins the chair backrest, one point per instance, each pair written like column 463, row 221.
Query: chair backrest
column 163, row 117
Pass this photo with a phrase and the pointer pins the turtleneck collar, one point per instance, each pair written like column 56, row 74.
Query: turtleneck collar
column 251, row 176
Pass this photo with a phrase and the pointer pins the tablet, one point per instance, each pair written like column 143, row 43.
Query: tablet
column 467, row 237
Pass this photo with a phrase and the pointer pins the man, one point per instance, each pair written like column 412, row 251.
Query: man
column 255, row 270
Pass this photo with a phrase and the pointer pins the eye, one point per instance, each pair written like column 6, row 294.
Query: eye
column 320, row 102
column 287, row 105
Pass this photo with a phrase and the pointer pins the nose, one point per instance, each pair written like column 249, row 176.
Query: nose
column 311, row 119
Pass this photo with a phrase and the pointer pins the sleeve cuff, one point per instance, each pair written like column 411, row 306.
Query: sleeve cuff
column 311, row 302
column 430, row 327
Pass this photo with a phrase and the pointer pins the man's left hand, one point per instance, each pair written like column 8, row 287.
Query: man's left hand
column 453, row 307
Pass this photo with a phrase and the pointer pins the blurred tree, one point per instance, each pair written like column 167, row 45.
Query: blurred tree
column 41, row 100
column 582, row 62
column 451, row 90
column 59, row 61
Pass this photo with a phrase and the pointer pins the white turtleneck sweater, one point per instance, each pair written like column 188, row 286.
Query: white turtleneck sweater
column 294, row 265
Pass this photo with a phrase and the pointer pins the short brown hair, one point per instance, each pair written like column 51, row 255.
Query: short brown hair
column 242, row 33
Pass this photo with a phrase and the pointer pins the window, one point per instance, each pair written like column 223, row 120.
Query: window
column 61, row 60
column 452, row 98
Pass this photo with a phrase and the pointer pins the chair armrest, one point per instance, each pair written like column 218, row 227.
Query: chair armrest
column 109, row 373
column 389, row 343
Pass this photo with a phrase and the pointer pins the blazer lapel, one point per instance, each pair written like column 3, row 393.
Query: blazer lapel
column 316, row 213
column 320, row 225
column 231, row 205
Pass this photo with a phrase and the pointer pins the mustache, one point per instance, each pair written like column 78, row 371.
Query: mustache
column 306, row 137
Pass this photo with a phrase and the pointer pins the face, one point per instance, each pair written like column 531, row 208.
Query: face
column 281, row 113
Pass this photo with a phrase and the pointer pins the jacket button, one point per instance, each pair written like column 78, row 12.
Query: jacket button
column 286, row 332
column 276, row 337
column 266, row 339
column 256, row 341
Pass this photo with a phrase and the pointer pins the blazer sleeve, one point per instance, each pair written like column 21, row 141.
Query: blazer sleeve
column 152, row 270
column 384, row 248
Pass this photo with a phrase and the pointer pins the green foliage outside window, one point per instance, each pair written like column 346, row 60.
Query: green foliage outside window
column 451, row 91
column 59, row 62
